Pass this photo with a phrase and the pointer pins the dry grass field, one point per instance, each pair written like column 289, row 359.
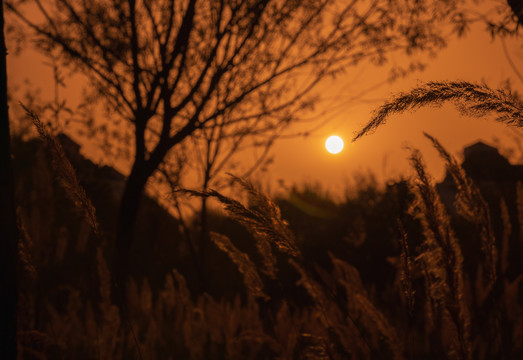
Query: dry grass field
column 443, row 301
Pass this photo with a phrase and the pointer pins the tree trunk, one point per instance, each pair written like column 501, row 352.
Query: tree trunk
column 129, row 205
column 8, row 228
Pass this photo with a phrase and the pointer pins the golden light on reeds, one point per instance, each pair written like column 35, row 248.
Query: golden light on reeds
column 334, row 144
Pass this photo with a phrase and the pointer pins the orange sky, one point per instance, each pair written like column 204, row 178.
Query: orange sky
column 474, row 58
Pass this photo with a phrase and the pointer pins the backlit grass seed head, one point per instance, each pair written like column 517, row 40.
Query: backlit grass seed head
column 471, row 205
column 362, row 308
column 469, row 98
column 245, row 266
column 66, row 173
column 442, row 260
column 263, row 221
column 406, row 270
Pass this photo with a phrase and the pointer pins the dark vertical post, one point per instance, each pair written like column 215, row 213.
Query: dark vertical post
column 8, row 229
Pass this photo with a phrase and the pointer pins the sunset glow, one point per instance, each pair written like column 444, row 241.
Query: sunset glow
column 334, row 144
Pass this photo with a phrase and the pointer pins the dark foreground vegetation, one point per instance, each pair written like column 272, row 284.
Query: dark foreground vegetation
column 411, row 270
column 106, row 273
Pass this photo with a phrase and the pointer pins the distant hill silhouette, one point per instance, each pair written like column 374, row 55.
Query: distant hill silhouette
column 52, row 222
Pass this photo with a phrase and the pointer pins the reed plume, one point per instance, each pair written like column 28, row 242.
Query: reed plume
column 406, row 270
column 361, row 307
column 469, row 98
column 507, row 230
column 442, row 259
column 245, row 266
column 314, row 289
column 25, row 247
column 66, row 173
column 263, row 221
column 471, row 205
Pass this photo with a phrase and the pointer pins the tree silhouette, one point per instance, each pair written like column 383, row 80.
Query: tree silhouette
column 175, row 69
column 8, row 227
column 517, row 9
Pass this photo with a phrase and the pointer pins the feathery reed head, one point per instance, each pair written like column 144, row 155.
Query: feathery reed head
column 471, row 99
column 471, row 205
column 245, row 266
column 66, row 173
column 442, row 260
column 263, row 221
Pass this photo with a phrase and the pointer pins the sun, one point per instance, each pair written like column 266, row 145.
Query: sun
column 334, row 144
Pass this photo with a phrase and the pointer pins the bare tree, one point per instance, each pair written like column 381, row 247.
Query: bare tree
column 176, row 69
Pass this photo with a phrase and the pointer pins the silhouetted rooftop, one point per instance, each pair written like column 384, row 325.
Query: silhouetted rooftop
column 480, row 149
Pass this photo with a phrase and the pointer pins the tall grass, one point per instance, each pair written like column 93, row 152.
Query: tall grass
column 442, row 261
column 66, row 174
column 471, row 205
column 339, row 315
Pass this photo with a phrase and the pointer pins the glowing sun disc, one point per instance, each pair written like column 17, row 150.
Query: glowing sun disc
column 334, row 144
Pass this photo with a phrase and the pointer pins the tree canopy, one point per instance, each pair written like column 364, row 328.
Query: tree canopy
column 170, row 70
